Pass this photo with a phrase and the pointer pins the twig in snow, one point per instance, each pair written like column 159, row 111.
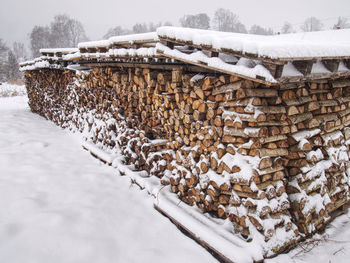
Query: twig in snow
column 337, row 241
column 158, row 193
column 309, row 245
column 338, row 251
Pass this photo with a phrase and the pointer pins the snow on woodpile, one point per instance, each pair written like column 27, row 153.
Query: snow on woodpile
column 56, row 51
column 331, row 43
column 37, row 63
column 214, row 165
column 267, row 59
column 94, row 44
column 268, row 157
column 116, row 53
column 120, row 40
column 118, row 47
column 131, row 52
column 144, row 37
column 51, row 58
column 199, row 57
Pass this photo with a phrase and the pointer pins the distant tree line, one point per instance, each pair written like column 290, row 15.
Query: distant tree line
column 62, row 32
column 225, row 20
column 9, row 59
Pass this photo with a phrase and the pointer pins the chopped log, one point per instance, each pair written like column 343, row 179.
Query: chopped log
column 226, row 88
column 264, row 93
column 273, row 152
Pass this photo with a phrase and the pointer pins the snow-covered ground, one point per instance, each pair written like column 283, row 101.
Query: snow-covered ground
column 9, row 90
column 332, row 246
column 59, row 204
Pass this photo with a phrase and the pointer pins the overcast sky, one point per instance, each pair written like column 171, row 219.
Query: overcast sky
column 18, row 17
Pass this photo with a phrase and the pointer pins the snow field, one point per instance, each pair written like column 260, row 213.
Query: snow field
column 58, row 204
column 9, row 90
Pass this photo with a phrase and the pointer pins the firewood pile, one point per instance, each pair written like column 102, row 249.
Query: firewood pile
column 272, row 158
column 108, row 106
column 318, row 152
column 183, row 129
column 225, row 162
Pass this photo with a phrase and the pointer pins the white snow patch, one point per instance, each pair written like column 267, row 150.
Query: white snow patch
column 289, row 70
column 214, row 62
column 300, row 45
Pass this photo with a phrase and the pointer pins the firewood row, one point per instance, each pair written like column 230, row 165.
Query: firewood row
column 240, row 174
column 318, row 152
column 272, row 160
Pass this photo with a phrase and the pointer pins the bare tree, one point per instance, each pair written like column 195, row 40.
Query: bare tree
column 39, row 38
column 3, row 60
column 287, row 28
column 225, row 20
column 240, row 28
column 66, row 32
column 342, row 23
column 76, row 32
column 12, row 69
column 201, row 21
column 152, row 27
column 116, row 31
column 312, row 24
column 167, row 23
column 63, row 32
column 258, row 30
column 137, row 28
column 19, row 51
column 140, row 28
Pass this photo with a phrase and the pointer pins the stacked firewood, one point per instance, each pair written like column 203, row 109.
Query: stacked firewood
column 319, row 152
column 46, row 90
column 272, row 160
column 125, row 96
column 230, row 149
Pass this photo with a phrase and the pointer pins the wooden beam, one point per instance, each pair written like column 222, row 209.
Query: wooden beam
column 304, row 67
column 217, row 254
column 214, row 54
column 341, row 83
column 331, row 64
column 312, row 58
column 170, row 44
column 222, row 50
column 209, row 53
column 279, row 61
column 91, row 49
column 158, row 66
column 275, row 69
column 258, row 79
column 347, row 63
